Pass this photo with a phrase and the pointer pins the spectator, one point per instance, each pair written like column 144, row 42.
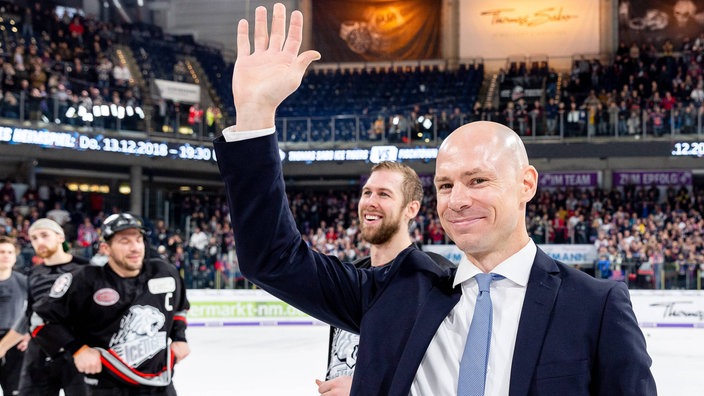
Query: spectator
column 213, row 120
column 121, row 74
column 76, row 31
column 180, row 72
column 195, row 118
column 60, row 215
column 199, row 240
column 87, row 237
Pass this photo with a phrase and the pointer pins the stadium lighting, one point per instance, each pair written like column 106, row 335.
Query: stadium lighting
column 124, row 189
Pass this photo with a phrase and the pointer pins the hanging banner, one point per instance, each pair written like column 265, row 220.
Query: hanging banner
column 655, row 21
column 376, row 30
column 649, row 178
column 569, row 179
column 498, row 29
column 568, row 254
column 178, row 91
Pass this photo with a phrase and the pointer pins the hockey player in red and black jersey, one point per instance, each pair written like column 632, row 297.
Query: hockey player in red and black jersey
column 125, row 322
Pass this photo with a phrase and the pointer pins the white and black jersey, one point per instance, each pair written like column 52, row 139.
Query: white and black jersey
column 130, row 320
column 343, row 345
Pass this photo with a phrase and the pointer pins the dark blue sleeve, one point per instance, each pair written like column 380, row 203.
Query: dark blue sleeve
column 270, row 249
column 623, row 361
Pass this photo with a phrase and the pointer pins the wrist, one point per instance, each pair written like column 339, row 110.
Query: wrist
column 80, row 350
column 253, row 117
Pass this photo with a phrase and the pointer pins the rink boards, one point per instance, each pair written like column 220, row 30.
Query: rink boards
column 653, row 308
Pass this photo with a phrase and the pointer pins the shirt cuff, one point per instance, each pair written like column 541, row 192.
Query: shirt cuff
column 231, row 135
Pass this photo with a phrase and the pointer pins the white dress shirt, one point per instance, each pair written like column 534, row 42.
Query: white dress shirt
column 231, row 135
column 439, row 369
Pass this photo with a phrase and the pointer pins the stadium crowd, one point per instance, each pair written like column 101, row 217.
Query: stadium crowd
column 644, row 90
column 649, row 237
column 59, row 68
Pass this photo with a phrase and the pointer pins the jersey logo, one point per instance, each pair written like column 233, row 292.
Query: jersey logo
column 61, row 285
column 106, row 297
column 161, row 285
column 344, row 354
column 139, row 337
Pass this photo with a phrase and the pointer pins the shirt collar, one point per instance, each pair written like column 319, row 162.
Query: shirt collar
column 513, row 268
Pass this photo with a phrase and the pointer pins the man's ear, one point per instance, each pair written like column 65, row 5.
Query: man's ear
column 412, row 209
column 530, row 183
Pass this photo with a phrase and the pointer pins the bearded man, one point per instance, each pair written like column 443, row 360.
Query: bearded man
column 389, row 202
column 43, row 375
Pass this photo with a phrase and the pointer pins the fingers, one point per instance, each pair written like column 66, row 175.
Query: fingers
column 261, row 34
column 295, row 34
column 243, row 38
column 278, row 27
column 305, row 59
column 336, row 386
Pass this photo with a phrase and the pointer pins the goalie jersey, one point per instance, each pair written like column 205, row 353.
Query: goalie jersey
column 129, row 320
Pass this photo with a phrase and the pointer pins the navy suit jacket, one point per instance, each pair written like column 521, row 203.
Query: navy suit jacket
column 576, row 336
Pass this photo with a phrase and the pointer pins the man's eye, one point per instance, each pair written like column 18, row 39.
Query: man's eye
column 445, row 186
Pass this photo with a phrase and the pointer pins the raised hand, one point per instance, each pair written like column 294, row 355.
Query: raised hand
column 263, row 78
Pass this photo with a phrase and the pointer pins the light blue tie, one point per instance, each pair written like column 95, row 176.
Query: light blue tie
column 472, row 376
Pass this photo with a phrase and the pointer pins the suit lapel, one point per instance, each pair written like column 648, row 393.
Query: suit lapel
column 541, row 293
column 438, row 305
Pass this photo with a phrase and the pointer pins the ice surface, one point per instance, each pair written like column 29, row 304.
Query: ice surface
column 286, row 360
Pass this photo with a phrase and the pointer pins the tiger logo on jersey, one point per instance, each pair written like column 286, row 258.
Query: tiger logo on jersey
column 139, row 337
column 344, row 354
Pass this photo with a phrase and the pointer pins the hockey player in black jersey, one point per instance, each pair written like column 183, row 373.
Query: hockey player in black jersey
column 41, row 374
column 125, row 322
